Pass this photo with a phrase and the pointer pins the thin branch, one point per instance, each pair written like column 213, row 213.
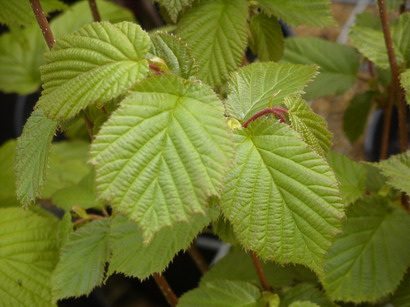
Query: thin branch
column 260, row 272
column 166, row 290
column 277, row 111
column 94, row 10
column 43, row 23
column 198, row 259
column 156, row 68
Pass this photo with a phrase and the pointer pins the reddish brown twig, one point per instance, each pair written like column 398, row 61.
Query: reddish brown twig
column 260, row 272
column 166, row 290
column 94, row 10
column 198, row 259
column 277, row 111
column 43, row 23
column 155, row 68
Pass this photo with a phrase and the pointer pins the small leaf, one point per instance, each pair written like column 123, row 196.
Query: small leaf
column 216, row 32
column 368, row 260
column 261, row 85
column 174, row 7
column 92, row 65
column 405, row 83
column 222, row 293
column 305, row 292
column 267, row 38
column 82, row 261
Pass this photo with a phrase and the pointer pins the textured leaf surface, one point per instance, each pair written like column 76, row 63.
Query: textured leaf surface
column 338, row 64
column 163, row 153
column 305, row 292
column 131, row 257
column 7, row 178
column 316, row 13
column 311, row 126
column 261, row 85
column 281, row 197
column 352, row 176
column 33, row 148
column 82, row 260
column 93, row 65
column 405, row 83
column 28, row 255
column 266, row 37
column 175, row 53
column 216, row 32
column 222, row 293
column 397, row 171
column 174, row 7
column 368, row 260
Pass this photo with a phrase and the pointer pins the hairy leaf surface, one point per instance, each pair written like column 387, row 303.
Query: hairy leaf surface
column 174, row 7
column 397, row 171
column 368, row 260
column 92, row 65
column 261, row 85
column 281, row 197
column 216, row 32
column 163, row 153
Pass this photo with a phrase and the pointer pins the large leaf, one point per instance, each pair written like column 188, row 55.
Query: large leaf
column 174, row 7
column 267, row 38
column 305, row 292
column 281, row 197
column 338, row 64
column 32, row 152
column 405, row 83
column 7, row 178
column 163, row 153
column 261, row 85
column 368, row 260
column 131, row 257
column 92, row 65
column 315, row 13
column 216, row 31
column 222, row 293
column 311, row 126
column 82, row 260
column 28, row 254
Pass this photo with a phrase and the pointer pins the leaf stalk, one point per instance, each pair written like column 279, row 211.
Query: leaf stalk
column 43, row 23
column 166, row 290
column 94, row 10
column 260, row 272
column 277, row 111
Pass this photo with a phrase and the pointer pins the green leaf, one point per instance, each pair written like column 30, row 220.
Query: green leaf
column 339, row 64
column 7, row 178
column 216, row 32
column 174, row 7
column 222, row 293
column 305, row 292
column 281, row 197
column 401, row 36
column 32, row 153
column 266, row 37
column 356, row 114
column 401, row 298
column 82, row 261
column 163, row 153
column 303, row 304
column 352, row 177
column 133, row 258
column 92, row 65
column 28, row 255
column 311, row 126
column 368, row 260
column 316, row 13
column 175, row 53
column 405, row 83
column 397, row 171
column 261, row 85
column 65, row 229
column 223, row 229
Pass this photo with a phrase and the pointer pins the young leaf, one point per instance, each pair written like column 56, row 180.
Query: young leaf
column 131, row 257
column 281, row 197
column 338, row 64
column 163, row 153
column 174, row 7
column 351, row 176
column 92, row 65
column 316, row 13
column 222, row 293
column 32, row 153
column 356, row 114
column 7, row 177
column 405, row 83
column 305, row 292
column 261, row 85
column 312, row 127
column 28, row 254
column 216, row 32
column 266, row 37
column 368, row 260
column 175, row 53
column 82, row 261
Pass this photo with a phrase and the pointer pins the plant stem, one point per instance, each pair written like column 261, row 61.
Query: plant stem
column 166, row 290
column 94, row 10
column 198, row 259
column 260, row 272
column 274, row 110
column 43, row 23
column 395, row 91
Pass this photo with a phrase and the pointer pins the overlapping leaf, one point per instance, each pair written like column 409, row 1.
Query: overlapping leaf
column 402, row 296
column 370, row 258
column 261, row 85
column 7, row 178
column 92, row 65
column 28, row 254
column 163, row 153
column 281, row 197
column 338, row 64
column 216, row 32
column 305, row 292
column 174, row 7
column 405, row 83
